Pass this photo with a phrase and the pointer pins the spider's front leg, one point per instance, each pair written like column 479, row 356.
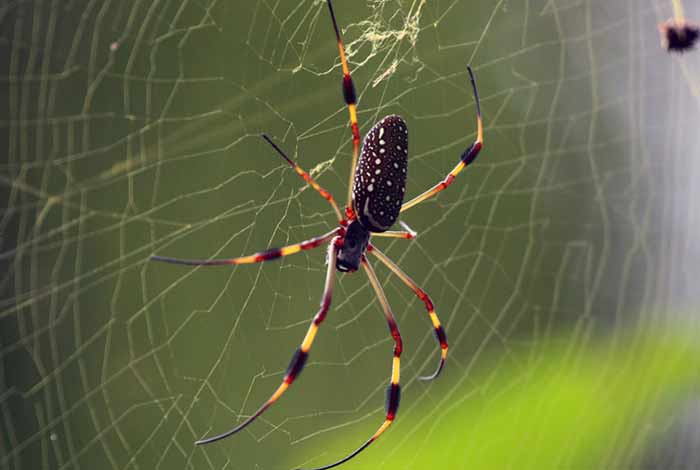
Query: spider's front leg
column 393, row 392
column 422, row 295
column 300, row 355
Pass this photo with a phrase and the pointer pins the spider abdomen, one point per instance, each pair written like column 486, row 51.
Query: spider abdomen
column 380, row 177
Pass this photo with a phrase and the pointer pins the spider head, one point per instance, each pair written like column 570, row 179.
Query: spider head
column 354, row 246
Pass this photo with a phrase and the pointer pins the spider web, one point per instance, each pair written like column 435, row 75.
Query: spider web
column 132, row 128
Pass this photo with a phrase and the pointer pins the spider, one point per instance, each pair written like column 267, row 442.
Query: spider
column 375, row 200
column 678, row 35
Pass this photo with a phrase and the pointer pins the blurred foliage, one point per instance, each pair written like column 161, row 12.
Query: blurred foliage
column 572, row 403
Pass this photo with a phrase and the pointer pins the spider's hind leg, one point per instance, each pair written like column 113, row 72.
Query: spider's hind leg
column 350, row 100
column 468, row 156
column 307, row 177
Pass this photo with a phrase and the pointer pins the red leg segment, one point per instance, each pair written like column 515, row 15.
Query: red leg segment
column 307, row 177
column 421, row 294
column 300, row 355
column 407, row 233
column 350, row 101
column 467, row 158
column 393, row 394
column 267, row 255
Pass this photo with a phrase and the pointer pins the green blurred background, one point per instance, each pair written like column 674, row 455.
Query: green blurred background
column 563, row 264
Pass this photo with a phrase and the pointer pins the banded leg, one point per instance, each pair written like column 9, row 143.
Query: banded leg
column 394, row 390
column 300, row 355
column 350, row 101
column 307, row 177
column 408, row 233
column 266, row 255
column 467, row 158
column 421, row 294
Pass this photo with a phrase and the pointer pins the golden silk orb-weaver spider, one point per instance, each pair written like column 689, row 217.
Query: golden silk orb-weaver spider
column 375, row 200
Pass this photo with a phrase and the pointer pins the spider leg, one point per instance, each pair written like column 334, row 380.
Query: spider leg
column 421, row 294
column 467, row 158
column 307, row 177
column 300, row 355
column 408, row 233
column 350, row 101
column 267, row 255
column 394, row 390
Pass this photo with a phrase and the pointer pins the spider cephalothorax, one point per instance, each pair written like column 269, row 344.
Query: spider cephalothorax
column 375, row 200
column 353, row 248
